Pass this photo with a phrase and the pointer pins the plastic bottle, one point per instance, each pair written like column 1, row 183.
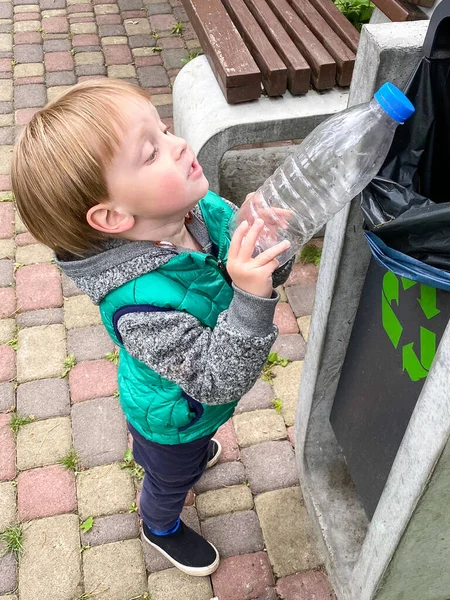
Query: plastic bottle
column 331, row 166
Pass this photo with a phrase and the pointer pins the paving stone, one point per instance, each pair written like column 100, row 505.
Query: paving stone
column 227, row 438
column 43, row 443
column 122, row 71
column 304, row 325
column 5, row 151
column 34, row 253
column 58, row 61
column 7, row 330
column 246, row 577
column 44, row 398
column 144, row 42
column 258, row 426
column 225, row 500
column 45, row 492
column 286, row 386
column 173, row 57
column 270, row 466
column 54, row 92
column 69, row 287
column 104, row 490
column 38, row 286
column 154, row 560
column 45, row 316
column 20, row 227
column 115, row 40
column 89, row 58
column 8, row 575
column 221, row 475
column 311, row 585
column 89, row 343
column 301, row 298
column 55, row 25
column 291, row 435
column 302, row 273
column 7, row 363
column 288, row 533
column 6, row 273
column 6, row 219
column 284, row 318
column 113, row 528
column 78, row 28
column 81, row 312
column 7, row 302
column 162, row 22
column 60, row 78
column 161, row 99
column 111, row 29
column 28, row 70
column 152, row 76
column 159, row 8
column 130, row 4
column 57, row 46
column 90, row 70
column 8, row 453
column 26, row 26
column 51, row 554
column 117, row 54
column 41, row 352
column 137, row 27
column 92, row 379
column 90, row 39
column 27, row 37
column 6, row 396
column 6, row 11
column 291, row 346
column 171, row 42
column 27, row 8
column 116, row 571
column 172, row 584
column 236, row 533
column 99, row 431
column 6, row 249
column 7, row 505
column 5, row 42
column 23, row 239
column 23, row 117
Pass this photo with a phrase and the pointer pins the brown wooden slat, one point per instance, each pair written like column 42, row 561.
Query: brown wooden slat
column 336, row 20
column 273, row 69
column 344, row 57
column 298, row 69
column 399, row 11
column 323, row 67
column 227, row 54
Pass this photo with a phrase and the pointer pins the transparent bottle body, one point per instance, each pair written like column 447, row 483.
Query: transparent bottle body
column 333, row 164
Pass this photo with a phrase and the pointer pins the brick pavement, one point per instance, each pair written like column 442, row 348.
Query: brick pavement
column 250, row 503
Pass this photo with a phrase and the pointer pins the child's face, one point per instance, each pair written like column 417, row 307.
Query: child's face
column 155, row 174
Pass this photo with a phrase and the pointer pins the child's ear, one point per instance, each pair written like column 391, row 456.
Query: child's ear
column 109, row 220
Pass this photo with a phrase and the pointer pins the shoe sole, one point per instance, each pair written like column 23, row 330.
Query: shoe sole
column 193, row 571
column 216, row 456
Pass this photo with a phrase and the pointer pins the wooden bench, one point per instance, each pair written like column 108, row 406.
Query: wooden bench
column 280, row 44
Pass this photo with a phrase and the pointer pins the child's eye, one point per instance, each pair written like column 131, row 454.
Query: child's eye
column 152, row 157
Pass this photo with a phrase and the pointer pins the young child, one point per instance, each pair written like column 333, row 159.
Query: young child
column 124, row 204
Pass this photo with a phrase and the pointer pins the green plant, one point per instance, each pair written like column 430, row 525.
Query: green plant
column 73, row 51
column 272, row 360
column 311, row 254
column 69, row 363
column 156, row 49
column 154, row 34
column 131, row 466
column 178, row 28
column 192, row 54
column 13, row 342
column 17, row 421
column 84, row 548
column 133, row 508
column 113, row 357
column 87, row 524
column 8, row 197
column 71, row 461
column 277, row 404
column 358, row 12
column 18, row 266
column 13, row 63
column 116, row 394
column 12, row 538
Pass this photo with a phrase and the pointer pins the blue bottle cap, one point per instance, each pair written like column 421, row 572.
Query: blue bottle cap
column 394, row 102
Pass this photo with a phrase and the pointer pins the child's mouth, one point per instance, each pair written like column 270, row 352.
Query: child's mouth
column 195, row 169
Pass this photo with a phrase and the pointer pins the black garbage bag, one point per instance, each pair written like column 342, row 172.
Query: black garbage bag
column 407, row 206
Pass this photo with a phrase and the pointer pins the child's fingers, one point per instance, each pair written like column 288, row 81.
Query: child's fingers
column 271, row 253
column 236, row 240
column 248, row 243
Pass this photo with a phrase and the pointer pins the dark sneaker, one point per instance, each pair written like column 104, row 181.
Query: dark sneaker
column 185, row 549
column 214, row 451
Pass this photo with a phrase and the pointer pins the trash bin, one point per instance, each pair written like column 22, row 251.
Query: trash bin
column 405, row 303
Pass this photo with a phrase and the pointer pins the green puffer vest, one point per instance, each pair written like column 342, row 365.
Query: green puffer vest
column 193, row 282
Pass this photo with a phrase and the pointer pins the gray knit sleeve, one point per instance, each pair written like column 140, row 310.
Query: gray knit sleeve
column 213, row 366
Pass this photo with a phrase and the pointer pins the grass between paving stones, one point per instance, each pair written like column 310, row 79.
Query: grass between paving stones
column 133, row 508
column 311, row 254
column 177, row 29
column 16, row 422
column 71, row 461
column 68, row 364
column 87, row 524
column 192, row 54
column 113, row 357
column 9, row 197
column 131, row 466
column 12, row 538
column 273, row 360
column 277, row 404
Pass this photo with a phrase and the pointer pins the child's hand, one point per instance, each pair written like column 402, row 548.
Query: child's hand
column 252, row 275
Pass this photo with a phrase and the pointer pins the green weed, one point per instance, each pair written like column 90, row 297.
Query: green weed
column 358, row 12
column 277, row 404
column 178, row 28
column 16, row 422
column 272, row 360
column 113, row 357
column 311, row 254
column 12, row 538
column 192, row 54
column 87, row 524
column 131, row 465
column 71, row 461
column 68, row 364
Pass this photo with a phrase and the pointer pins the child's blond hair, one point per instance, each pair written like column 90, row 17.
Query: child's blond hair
column 58, row 165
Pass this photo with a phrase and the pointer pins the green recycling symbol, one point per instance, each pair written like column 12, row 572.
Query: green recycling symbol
column 416, row 369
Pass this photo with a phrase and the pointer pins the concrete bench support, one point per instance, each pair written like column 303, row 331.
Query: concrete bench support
column 211, row 126
column 404, row 551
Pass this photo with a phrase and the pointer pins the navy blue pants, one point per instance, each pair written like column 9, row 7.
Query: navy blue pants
column 170, row 472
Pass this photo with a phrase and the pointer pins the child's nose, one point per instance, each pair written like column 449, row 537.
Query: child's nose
column 180, row 146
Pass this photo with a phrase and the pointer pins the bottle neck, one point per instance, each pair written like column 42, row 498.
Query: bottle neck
column 382, row 115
